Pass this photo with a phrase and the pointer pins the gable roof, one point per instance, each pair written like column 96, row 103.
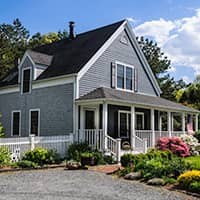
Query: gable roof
column 134, row 98
column 74, row 56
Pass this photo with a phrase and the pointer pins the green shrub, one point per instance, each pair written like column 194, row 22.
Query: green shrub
column 125, row 171
column 169, row 180
column 26, row 164
column 109, row 160
column 5, row 156
column 75, row 150
column 194, row 161
column 195, row 187
column 156, row 164
column 42, row 156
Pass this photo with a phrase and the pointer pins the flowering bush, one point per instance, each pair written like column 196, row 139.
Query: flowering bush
column 175, row 145
column 192, row 143
column 190, row 179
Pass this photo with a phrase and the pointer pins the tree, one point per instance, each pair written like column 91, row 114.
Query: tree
column 13, row 42
column 38, row 39
column 160, row 65
column 15, row 39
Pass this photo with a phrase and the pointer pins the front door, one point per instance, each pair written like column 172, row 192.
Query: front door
column 124, row 125
column 89, row 119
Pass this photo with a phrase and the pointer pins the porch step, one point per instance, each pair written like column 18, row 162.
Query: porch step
column 130, row 152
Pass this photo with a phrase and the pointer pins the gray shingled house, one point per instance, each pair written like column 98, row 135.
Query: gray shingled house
column 97, row 85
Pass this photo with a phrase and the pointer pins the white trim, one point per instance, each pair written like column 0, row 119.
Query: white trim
column 143, row 59
column 133, row 127
column 30, row 80
column 51, row 83
column 101, row 50
column 142, row 114
column 21, row 63
column 94, row 108
column 127, row 123
column 16, row 111
column 8, row 90
column 125, row 66
column 36, row 109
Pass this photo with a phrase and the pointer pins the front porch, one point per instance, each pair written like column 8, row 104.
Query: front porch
column 128, row 121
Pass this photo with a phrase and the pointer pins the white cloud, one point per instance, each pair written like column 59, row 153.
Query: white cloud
column 172, row 69
column 187, row 79
column 131, row 19
column 179, row 39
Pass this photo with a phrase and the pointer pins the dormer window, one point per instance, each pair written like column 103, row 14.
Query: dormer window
column 26, row 80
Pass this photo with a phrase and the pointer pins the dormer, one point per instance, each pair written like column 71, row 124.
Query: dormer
column 33, row 64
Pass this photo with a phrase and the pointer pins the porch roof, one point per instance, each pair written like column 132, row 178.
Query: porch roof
column 134, row 98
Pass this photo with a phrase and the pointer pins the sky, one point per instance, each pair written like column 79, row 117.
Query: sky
column 173, row 24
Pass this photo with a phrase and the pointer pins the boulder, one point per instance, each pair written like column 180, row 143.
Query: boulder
column 156, row 181
column 133, row 176
column 73, row 165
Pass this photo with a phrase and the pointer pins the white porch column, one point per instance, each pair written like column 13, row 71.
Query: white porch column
column 105, row 123
column 183, row 123
column 196, row 123
column 132, row 127
column 153, row 127
column 169, row 123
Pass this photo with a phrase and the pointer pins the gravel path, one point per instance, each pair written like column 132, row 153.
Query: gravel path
column 57, row 184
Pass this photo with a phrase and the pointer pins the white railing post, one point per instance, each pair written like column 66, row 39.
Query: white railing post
column 105, row 124
column 145, row 145
column 32, row 142
column 118, row 153
column 169, row 123
column 153, row 127
column 183, row 123
column 132, row 127
column 196, row 122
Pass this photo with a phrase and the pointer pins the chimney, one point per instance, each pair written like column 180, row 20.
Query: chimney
column 72, row 35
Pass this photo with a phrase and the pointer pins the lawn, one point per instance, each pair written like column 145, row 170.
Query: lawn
column 194, row 161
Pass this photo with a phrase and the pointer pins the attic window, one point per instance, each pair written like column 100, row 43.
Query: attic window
column 26, row 79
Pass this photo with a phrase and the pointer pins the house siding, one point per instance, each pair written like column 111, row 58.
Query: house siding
column 55, row 104
column 99, row 74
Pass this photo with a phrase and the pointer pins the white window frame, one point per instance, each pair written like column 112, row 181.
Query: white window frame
column 142, row 114
column 22, row 80
column 125, row 66
column 36, row 109
column 12, row 114
column 127, row 113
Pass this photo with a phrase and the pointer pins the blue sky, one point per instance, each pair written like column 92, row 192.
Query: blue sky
column 172, row 23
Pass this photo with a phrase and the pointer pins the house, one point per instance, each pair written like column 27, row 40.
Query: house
column 97, row 85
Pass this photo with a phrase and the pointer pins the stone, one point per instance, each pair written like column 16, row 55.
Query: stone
column 156, row 181
column 133, row 176
column 73, row 165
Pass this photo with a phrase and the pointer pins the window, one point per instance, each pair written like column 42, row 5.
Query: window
column 26, row 81
column 120, row 76
column 139, row 121
column 34, row 121
column 124, row 77
column 16, row 122
column 129, row 79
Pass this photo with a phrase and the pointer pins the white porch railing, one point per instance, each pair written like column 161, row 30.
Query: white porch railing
column 93, row 137
column 177, row 133
column 140, row 145
column 145, row 134
column 18, row 146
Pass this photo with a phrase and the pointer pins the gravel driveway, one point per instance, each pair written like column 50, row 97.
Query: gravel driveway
column 59, row 184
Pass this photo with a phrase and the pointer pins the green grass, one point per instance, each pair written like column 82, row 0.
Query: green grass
column 194, row 161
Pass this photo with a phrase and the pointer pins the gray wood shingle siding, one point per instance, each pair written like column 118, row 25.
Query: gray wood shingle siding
column 55, row 104
column 99, row 75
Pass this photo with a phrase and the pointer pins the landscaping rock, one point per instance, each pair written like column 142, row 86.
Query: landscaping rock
column 133, row 176
column 156, row 181
column 73, row 165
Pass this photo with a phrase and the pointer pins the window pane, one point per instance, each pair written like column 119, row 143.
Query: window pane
column 26, row 80
column 129, row 80
column 34, row 122
column 120, row 76
column 16, row 122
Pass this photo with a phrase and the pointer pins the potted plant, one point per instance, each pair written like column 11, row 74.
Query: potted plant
column 87, row 159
